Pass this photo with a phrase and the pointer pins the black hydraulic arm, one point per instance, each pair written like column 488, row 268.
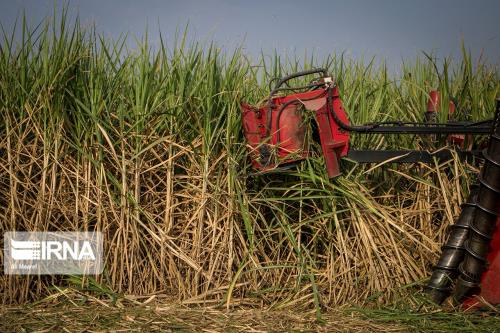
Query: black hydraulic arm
column 394, row 127
column 411, row 156
column 483, row 127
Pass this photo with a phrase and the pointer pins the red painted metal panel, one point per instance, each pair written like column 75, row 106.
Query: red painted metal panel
column 286, row 138
column 490, row 280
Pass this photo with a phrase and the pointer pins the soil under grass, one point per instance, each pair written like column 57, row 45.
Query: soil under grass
column 176, row 318
column 81, row 314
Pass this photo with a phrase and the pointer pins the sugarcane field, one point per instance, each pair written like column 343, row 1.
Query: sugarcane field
column 323, row 166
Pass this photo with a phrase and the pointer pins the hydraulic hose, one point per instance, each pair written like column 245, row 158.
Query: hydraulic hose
column 446, row 270
column 342, row 125
column 484, row 222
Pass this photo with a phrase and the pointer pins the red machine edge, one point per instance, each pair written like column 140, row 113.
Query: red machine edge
column 284, row 141
column 490, row 280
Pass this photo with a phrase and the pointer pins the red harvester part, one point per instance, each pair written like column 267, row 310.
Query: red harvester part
column 490, row 280
column 433, row 107
column 283, row 142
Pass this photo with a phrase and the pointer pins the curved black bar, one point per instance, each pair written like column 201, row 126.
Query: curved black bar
column 295, row 75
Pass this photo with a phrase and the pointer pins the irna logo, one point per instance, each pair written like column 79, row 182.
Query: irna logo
column 53, row 253
column 51, row 250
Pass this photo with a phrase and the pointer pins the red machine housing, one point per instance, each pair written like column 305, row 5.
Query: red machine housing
column 490, row 280
column 284, row 142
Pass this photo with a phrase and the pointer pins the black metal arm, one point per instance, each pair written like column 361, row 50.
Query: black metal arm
column 295, row 75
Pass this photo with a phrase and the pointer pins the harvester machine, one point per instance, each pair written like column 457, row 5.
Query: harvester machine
column 275, row 131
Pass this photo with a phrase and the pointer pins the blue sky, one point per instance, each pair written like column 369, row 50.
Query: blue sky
column 389, row 29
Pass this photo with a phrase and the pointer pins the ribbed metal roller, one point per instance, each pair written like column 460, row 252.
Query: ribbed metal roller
column 483, row 224
column 439, row 286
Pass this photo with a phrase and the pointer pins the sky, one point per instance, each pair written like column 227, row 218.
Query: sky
column 390, row 30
